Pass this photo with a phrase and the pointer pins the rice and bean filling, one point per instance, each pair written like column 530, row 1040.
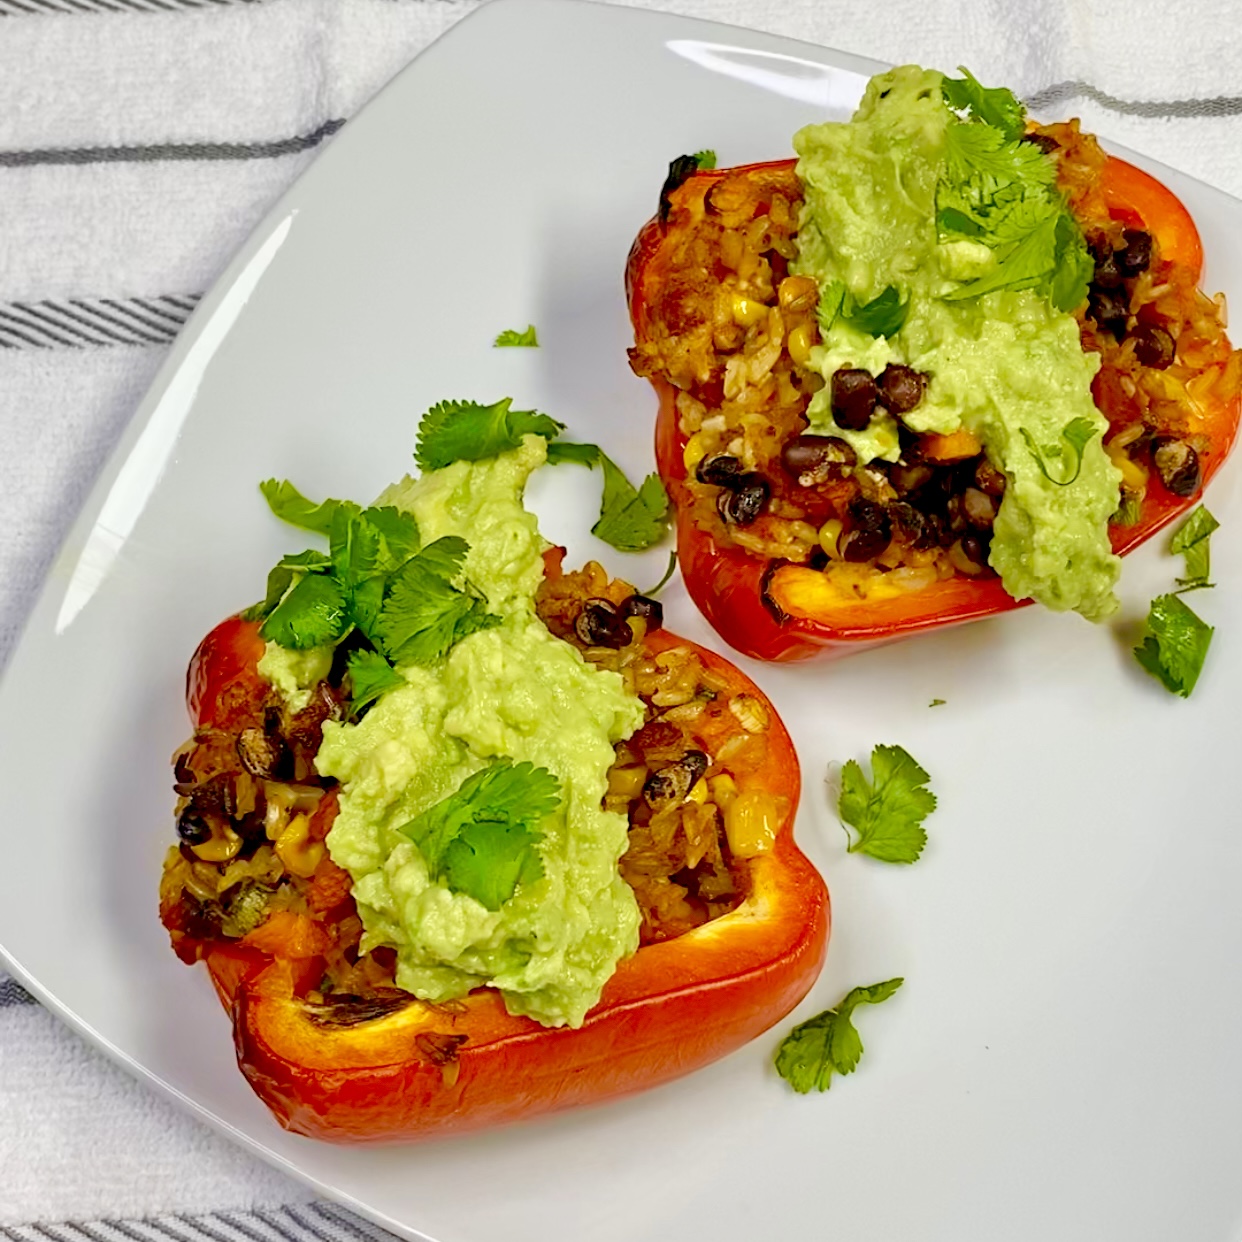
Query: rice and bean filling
column 732, row 331
column 252, row 811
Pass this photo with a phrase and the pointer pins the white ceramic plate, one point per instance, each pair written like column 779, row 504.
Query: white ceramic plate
column 1062, row 1062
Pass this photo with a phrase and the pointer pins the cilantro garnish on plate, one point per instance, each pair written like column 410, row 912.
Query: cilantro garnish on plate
column 1176, row 644
column 468, row 431
column 511, row 337
column 631, row 519
column 482, row 840
column 888, row 811
column 1192, row 539
column 828, row 1043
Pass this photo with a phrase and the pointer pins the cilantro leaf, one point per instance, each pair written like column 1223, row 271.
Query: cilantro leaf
column 993, row 105
column 423, row 614
column 1175, row 646
column 311, row 614
column 467, row 431
column 288, row 504
column 887, row 815
column 566, row 450
column 398, row 531
column 631, row 519
column 828, row 1043
column 481, row 840
column 511, row 336
column 1192, row 539
column 370, row 675
column 1073, row 267
column 1076, row 433
column 279, row 579
column 706, row 159
column 882, row 316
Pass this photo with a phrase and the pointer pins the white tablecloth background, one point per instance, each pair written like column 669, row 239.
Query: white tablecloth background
column 140, row 141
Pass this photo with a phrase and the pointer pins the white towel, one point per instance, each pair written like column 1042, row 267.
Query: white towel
column 140, row 140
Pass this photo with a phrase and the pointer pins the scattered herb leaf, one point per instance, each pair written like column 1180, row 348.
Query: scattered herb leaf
column 993, row 105
column 936, row 703
column 1076, row 433
column 887, row 814
column 882, row 316
column 828, row 1043
column 467, row 431
column 1192, row 539
column 631, row 519
column 706, row 159
column 482, row 839
column 311, row 614
column 288, row 504
column 1175, row 646
column 512, row 337
column 370, row 675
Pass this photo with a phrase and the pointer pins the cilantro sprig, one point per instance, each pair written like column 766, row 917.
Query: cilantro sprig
column 887, row 812
column 882, row 316
column 828, row 1043
column 483, row 839
column 1077, row 434
column 511, row 338
column 1175, row 646
column 1001, row 191
column 631, row 519
column 705, row 159
column 1192, row 539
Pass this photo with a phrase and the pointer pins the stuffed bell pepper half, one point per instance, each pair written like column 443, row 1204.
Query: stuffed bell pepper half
column 464, row 837
column 945, row 362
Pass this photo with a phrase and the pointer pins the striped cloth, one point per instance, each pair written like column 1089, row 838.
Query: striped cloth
column 140, row 140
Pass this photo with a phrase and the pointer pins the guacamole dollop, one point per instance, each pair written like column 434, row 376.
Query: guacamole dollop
column 1006, row 364
column 512, row 691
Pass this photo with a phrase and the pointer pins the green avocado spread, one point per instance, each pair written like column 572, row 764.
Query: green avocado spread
column 507, row 692
column 956, row 222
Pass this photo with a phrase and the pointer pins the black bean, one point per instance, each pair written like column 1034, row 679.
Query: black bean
column 854, row 394
column 600, row 625
column 867, row 515
column 651, row 610
column 816, row 459
column 720, row 470
column 818, row 558
column 975, row 548
column 1107, row 275
column 1045, row 142
column 1110, row 310
column 988, row 478
column 1153, row 346
column 192, row 828
column 1177, row 463
column 907, row 479
column 979, row 508
column 1135, row 254
column 746, row 501
column 260, row 754
column 674, row 782
column 901, row 388
column 908, row 523
column 863, row 545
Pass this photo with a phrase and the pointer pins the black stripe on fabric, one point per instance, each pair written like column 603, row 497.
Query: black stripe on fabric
column 22, row 8
column 12, row 993
column 79, row 322
column 261, row 1225
column 1215, row 106
column 158, row 151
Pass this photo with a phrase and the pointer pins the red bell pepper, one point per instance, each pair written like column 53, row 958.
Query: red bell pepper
column 788, row 612
column 399, row 1069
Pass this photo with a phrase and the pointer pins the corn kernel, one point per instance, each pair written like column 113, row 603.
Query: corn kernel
column 627, row 782
column 723, row 787
column 799, row 344
column 698, row 792
column 747, row 312
column 299, row 855
column 751, row 821
column 219, row 848
column 694, row 452
column 830, row 537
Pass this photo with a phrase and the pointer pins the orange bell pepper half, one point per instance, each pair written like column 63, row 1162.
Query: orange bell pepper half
column 782, row 612
column 400, row 1069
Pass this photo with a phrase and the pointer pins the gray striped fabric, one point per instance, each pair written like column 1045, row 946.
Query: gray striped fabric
column 12, row 993
column 78, row 323
column 19, row 8
column 311, row 1222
